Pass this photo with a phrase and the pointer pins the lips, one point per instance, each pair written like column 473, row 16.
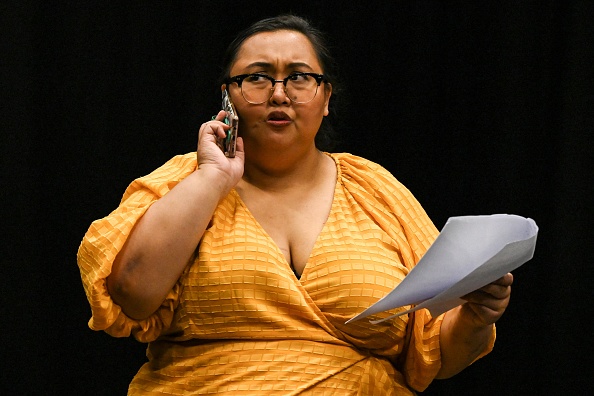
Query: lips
column 278, row 116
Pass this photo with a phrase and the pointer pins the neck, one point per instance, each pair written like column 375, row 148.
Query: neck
column 282, row 173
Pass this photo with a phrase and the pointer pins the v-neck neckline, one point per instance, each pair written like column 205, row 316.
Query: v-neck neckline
column 333, row 204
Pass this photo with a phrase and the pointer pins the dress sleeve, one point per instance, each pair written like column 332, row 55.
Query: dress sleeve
column 399, row 214
column 106, row 237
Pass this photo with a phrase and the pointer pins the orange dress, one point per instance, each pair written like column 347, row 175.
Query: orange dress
column 239, row 322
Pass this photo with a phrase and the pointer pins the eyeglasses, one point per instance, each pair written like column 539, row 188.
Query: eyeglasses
column 257, row 88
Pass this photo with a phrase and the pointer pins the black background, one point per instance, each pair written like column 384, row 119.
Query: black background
column 478, row 107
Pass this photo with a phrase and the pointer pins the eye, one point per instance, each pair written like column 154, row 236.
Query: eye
column 299, row 77
column 257, row 79
column 301, row 80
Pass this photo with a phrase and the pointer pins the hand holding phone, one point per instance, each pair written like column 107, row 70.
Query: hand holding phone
column 228, row 143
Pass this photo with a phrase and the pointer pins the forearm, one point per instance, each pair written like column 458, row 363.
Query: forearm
column 461, row 341
column 162, row 242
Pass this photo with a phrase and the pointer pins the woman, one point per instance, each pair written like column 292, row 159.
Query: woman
column 241, row 272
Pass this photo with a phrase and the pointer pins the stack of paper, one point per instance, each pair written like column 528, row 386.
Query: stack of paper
column 469, row 253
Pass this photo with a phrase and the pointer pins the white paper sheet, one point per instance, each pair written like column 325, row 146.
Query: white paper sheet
column 469, row 253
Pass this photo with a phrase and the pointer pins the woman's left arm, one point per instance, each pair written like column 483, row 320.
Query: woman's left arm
column 467, row 329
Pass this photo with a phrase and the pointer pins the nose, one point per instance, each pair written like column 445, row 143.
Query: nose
column 279, row 92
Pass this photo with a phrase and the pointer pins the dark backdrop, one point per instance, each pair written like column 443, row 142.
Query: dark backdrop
column 479, row 107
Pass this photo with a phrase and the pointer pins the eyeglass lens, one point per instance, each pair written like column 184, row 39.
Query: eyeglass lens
column 299, row 88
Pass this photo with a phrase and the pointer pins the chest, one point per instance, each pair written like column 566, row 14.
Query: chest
column 241, row 275
column 293, row 223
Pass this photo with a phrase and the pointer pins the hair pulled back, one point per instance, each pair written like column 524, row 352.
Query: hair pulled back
column 325, row 138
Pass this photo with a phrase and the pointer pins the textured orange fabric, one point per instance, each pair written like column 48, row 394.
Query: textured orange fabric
column 240, row 322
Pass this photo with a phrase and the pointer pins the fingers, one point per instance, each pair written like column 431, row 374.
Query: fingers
column 486, row 305
column 494, row 298
column 239, row 146
column 220, row 116
column 210, row 134
column 483, row 314
column 497, row 291
column 495, row 295
column 505, row 280
column 499, row 288
column 211, row 137
column 216, row 126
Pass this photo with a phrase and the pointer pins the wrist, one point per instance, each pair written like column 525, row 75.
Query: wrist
column 217, row 180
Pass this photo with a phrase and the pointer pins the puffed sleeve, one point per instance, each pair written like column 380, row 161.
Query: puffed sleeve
column 401, row 216
column 106, row 237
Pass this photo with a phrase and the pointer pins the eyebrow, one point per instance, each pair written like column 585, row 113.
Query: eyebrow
column 269, row 65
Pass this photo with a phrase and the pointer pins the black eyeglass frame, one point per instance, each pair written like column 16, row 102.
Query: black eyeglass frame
column 238, row 79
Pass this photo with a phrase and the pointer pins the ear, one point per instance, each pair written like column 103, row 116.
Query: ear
column 223, row 87
column 327, row 94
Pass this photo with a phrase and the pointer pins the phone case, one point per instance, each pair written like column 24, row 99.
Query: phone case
column 228, row 144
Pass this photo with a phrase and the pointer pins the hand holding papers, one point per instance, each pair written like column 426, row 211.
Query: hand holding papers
column 469, row 253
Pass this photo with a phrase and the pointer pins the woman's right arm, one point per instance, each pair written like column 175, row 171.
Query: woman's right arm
column 165, row 238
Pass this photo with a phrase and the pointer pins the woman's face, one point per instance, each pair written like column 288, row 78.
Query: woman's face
column 278, row 124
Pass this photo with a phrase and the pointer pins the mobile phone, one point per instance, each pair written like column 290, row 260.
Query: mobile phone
column 228, row 143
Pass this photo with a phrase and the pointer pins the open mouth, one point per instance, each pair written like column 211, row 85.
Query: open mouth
column 278, row 116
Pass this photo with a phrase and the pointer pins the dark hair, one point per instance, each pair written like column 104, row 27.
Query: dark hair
column 325, row 138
